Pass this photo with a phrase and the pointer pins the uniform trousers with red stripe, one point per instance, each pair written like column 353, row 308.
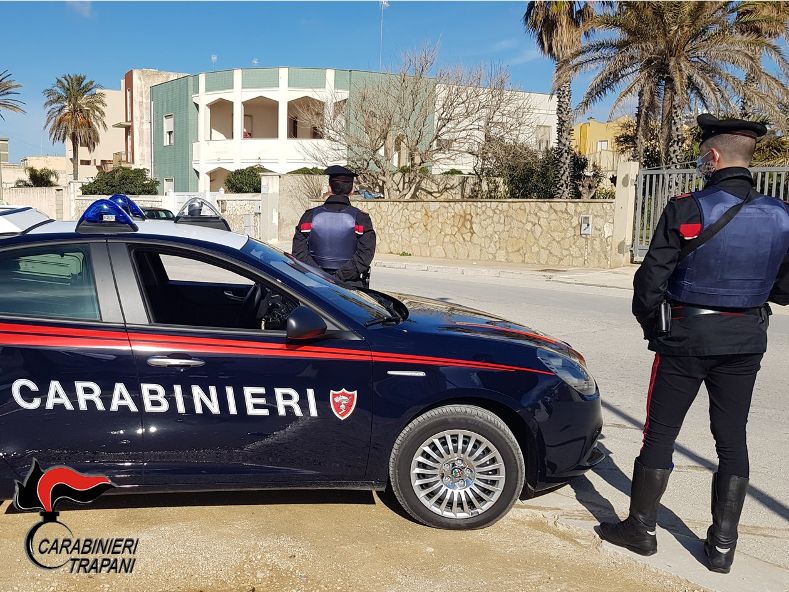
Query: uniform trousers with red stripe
column 674, row 385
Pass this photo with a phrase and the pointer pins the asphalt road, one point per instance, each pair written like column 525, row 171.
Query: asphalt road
column 597, row 322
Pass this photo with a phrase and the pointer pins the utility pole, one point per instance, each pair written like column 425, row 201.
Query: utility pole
column 384, row 4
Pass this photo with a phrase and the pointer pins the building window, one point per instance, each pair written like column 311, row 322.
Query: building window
column 602, row 145
column 293, row 127
column 543, row 137
column 128, row 104
column 169, row 185
column 169, row 132
column 84, row 162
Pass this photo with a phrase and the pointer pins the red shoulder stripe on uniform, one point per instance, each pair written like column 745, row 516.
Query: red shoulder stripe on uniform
column 305, row 227
column 689, row 230
column 359, row 229
column 682, row 195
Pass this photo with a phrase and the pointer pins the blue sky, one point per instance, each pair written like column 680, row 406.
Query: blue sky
column 43, row 40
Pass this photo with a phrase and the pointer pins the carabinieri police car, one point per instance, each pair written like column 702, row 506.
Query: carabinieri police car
column 182, row 356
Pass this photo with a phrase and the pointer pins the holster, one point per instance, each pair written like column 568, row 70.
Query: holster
column 663, row 320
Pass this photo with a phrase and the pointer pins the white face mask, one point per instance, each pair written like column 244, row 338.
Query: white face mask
column 705, row 167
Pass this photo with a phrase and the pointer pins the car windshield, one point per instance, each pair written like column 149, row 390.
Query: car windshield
column 353, row 302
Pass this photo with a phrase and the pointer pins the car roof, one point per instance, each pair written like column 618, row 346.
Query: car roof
column 155, row 228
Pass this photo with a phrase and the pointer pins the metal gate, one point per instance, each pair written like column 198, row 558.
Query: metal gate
column 654, row 187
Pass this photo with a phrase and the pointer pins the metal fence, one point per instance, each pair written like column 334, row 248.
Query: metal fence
column 655, row 187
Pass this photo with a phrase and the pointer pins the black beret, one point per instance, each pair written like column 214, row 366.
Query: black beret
column 712, row 126
column 339, row 171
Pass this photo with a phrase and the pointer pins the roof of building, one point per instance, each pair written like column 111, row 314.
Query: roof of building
column 520, row 90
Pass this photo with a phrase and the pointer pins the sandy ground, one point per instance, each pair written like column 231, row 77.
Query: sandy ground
column 305, row 541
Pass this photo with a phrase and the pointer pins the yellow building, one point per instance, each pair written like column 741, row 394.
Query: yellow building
column 596, row 136
column 597, row 141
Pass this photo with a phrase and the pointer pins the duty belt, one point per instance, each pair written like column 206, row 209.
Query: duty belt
column 686, row 310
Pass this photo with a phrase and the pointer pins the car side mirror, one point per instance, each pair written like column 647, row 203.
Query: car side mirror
column 305, row 323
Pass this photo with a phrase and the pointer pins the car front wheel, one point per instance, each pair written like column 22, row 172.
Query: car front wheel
column 457, row 467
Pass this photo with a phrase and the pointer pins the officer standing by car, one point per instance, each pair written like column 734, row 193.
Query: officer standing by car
column 337, row 237
column 715, row 259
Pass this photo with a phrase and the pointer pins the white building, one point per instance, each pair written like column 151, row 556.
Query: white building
column 209, row 124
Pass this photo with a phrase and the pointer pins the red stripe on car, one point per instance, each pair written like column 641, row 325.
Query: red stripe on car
column 46, row 336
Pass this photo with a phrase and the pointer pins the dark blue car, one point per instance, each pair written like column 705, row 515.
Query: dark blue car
column 177, row 356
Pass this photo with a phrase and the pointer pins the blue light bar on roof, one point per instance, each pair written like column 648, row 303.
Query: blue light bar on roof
column 103, row 216
column 128, row 205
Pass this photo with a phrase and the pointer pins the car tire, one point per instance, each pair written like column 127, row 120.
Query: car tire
column 457, row 467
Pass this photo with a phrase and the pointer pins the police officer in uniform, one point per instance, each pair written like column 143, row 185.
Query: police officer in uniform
column 337, row 237
column 717, row 293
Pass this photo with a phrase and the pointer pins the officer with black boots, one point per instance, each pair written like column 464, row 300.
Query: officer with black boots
column 337, row 237
column 716, row 257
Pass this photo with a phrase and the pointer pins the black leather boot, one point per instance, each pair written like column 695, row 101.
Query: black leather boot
column 637, row 532
column 728, row 497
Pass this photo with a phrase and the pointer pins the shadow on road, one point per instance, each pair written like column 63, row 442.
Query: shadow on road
column 115, row 501
column 759, row 495
column 603, row 510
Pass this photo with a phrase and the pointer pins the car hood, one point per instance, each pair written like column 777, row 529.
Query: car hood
column 443, row 317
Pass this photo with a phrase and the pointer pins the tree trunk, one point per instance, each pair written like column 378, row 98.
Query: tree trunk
column 563, row 147
column 638, row 147
column 746, row 109
column 665, row 121
column 75, row 157
column 676, row 138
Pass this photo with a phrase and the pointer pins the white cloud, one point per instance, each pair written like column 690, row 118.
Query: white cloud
column 81, row 7
column 525, row 56
column 504, row 44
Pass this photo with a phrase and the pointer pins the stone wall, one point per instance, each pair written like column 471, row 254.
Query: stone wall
column 541, row 232
column 243, row 212
column 295, row 192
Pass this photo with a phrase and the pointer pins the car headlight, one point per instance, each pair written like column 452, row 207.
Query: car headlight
column 569, row 370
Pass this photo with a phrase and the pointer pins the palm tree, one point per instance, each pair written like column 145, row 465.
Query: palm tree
column 75, row 112
column 558, row 26
column 769, row 20
column 8, row 88
column 669, row 54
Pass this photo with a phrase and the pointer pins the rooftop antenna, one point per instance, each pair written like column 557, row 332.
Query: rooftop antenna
column 255, row 61
column 384, row 4
column 214, row 58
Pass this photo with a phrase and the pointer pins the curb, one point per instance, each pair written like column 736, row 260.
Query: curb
column 480, row 271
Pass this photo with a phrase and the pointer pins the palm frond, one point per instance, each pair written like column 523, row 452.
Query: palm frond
column 8, row 91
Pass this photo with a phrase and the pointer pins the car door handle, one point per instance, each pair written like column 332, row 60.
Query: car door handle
column 165, row 362
column 232, row 296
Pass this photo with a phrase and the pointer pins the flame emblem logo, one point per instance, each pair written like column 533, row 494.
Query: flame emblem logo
column 42, row 490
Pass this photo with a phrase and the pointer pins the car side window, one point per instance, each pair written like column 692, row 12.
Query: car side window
column 184, row 269
column 188, row 290
column 52, row 281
